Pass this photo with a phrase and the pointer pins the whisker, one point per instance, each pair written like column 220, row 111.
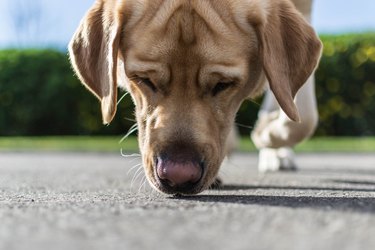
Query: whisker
column 129, row 156
column 137, row 180
column 137, row 171
column 135, row 159
column 136, row 175
column 139, row 175
column 244, row 126
column 130, row 119
column 148, row 186
column 131, row 130
column 132, row 168
column 122, row 97
column 134, row 156
column 254, row 102
column 143, row 182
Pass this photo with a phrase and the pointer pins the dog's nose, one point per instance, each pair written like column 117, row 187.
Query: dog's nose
column 179, row 168
column 178, row 174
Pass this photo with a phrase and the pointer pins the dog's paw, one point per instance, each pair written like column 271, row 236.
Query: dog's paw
column 271, row 160
column 287, row 159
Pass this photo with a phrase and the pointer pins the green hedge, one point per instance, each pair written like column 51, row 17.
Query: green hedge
column 39, row 95
column 346, row 85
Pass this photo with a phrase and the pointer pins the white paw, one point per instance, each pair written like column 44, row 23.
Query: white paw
column 271, row 160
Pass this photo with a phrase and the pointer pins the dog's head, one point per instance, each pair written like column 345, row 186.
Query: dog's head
column 188, row 66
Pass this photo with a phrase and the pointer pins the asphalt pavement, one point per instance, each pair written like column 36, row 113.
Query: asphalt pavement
column 101, row 201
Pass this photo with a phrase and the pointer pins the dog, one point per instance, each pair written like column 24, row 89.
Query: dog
column 188, row 65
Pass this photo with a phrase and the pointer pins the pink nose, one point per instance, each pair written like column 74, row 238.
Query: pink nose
column 178, row 173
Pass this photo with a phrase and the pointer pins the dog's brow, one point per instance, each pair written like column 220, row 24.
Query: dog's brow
column 148, row 68
column 144, row 66
column 230, row 71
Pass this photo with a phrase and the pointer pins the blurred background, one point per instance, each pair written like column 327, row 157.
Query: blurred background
column 40, row 96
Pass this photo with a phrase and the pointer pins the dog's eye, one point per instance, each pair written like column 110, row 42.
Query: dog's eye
column 148, row 83
column 221, row 86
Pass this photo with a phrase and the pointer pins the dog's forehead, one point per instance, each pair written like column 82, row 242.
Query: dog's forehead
column 161, row 10
column 187, row 29
column 217, row 14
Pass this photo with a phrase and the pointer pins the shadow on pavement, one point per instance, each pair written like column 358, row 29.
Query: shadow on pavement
column 319, row 200
column 253, row 187
column 349, row 204
column 356, row 182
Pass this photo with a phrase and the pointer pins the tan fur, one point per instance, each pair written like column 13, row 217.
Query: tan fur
column 185, row 47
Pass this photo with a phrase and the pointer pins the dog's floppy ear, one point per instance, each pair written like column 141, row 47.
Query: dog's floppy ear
column 290, row 50
column 93, row 51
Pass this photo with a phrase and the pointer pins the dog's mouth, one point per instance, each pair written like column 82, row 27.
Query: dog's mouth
column 179, row 177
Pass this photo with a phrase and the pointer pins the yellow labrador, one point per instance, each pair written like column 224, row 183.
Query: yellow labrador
column 188, row 65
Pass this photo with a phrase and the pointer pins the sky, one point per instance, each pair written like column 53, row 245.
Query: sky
column 51, row 23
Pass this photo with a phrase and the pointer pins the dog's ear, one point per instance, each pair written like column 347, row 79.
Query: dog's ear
column 93, row 51
column 290, row 49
